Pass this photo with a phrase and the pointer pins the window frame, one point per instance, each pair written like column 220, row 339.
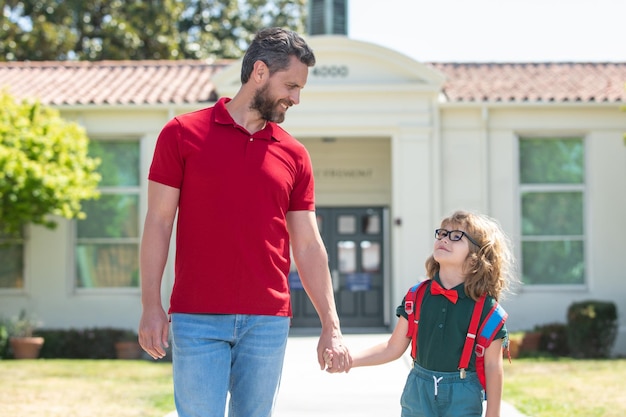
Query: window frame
column 23, row 240
column 581, row 187
column 134, row 190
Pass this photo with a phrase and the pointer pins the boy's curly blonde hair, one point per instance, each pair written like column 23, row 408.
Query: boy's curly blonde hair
column 488, row 268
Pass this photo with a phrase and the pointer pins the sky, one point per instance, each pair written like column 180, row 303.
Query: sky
column 494, row 30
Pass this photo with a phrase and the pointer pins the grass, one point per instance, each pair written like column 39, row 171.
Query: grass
column 85, row 388
column 562, row 387
column 538, row 387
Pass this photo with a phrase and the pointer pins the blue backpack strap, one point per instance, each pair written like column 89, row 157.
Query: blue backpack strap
column 493, row 323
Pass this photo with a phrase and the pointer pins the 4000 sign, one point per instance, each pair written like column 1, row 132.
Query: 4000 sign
column 330, row 71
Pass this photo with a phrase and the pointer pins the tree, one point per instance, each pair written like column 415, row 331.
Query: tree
column 135, row 29
column 89, row 29
column 224, row 29
column 44, row 167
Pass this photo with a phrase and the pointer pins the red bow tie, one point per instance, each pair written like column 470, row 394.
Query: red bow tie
column 436, row 289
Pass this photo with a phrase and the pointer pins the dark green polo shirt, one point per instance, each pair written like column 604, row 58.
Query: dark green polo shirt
column 443, row 327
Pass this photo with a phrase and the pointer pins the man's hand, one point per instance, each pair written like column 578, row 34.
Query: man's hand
column 333, row 356
column 153, row 332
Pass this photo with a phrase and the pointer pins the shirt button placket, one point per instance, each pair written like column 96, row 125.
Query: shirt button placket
column 443, row 318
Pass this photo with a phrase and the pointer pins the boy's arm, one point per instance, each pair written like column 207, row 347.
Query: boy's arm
column 494, row 376
column 387, row 351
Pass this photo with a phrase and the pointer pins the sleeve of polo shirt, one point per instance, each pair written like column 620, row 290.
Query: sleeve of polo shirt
column 303, row 192
column 167, row 162
column 502, row 333
column 400, row 311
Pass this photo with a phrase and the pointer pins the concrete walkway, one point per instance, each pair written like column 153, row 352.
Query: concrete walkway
column 363, row 392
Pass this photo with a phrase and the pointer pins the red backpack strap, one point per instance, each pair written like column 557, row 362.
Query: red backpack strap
column 491, row 325
column 412, row 307
column 470, row 338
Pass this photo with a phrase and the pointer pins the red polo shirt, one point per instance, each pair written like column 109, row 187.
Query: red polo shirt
column 232, row 245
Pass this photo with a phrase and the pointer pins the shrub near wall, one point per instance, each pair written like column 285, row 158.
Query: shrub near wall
column 94, row 343
column 553, row 339
column 4, row 339
column 591, row 328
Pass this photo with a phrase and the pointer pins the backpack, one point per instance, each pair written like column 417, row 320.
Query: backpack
column 479, row 341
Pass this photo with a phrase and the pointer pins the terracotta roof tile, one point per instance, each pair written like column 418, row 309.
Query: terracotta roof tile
column 111, row 82
column 534, row 82
column 173, row 82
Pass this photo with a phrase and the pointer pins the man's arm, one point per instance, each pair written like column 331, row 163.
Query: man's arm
column 154, row 325
column 312, row 262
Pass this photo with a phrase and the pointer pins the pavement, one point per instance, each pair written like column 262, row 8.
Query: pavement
column 375, row 391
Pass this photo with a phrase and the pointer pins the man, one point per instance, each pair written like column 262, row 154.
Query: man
column 243, row 189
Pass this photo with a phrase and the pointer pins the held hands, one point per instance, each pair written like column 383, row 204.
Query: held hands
column 332, row 340
column 333, row 363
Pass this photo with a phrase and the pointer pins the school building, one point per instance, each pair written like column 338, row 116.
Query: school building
column 396, row 145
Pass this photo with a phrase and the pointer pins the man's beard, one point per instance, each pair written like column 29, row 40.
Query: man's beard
column 266, row 106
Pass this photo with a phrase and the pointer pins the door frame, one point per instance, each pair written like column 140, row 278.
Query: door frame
column 327, row 227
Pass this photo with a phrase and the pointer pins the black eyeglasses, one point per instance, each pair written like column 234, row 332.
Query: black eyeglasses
column 453, row 235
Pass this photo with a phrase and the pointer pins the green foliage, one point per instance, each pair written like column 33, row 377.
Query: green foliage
column 89, row 29
column 4, row 338
column 224, row 29
column 591, row 328
column 23, row 325
column 553, row 339
column 159, row 29
column 565, row 387
column 127, row 336
column 44, row 166
column 90, row 343
column 94, row 388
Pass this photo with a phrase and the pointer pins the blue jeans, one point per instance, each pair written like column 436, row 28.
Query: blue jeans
column 217, row 355
column 441, row 394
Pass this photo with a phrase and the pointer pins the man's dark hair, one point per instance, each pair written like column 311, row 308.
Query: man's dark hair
column 275, row 46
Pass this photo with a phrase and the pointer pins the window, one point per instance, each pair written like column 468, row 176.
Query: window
column 107, row 241
column 552, row 186
column 327, row 18
column 11, row 262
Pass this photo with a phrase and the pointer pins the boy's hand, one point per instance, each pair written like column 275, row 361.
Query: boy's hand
column 328, row 358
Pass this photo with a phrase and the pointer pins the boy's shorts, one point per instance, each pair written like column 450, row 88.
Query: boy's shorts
column 441, row 394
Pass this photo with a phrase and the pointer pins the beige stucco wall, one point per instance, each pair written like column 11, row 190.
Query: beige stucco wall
column 428, row 158
column 482, row 142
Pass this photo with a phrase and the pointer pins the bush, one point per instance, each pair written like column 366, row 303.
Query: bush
column 94, row 343
column 553, row 339
column 591, row 328
column 4, row 338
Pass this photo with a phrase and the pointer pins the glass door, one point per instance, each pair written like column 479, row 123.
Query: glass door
column 354, row 239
